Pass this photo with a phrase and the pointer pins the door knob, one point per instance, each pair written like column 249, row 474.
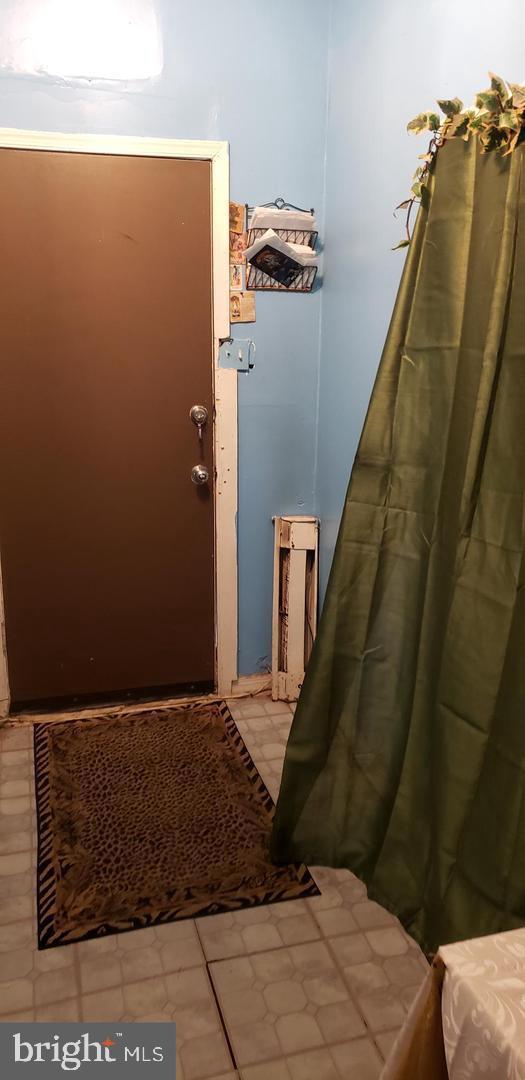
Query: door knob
column 200, row 474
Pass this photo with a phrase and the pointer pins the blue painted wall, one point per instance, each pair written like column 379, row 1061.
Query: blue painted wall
column 258, row 74
column 389, row 59
column 255, row 74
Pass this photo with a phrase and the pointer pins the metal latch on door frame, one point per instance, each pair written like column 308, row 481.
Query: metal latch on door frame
column 238, row 353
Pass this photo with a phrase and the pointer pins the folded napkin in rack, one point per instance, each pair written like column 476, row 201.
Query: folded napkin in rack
column 268, row 217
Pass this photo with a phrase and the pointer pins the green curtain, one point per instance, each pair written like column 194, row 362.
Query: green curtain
column 406, row 760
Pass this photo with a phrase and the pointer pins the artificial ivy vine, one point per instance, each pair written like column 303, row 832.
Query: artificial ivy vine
column 497, row 119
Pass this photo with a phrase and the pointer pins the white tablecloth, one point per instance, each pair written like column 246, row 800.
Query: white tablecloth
column 483, row 1007
column 468, row 1020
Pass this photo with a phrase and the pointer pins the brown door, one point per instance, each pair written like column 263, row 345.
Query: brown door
column 106, row 343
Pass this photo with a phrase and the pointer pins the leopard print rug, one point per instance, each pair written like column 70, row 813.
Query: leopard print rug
column 150, row 817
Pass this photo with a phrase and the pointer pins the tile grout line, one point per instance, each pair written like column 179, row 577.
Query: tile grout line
column 221, row 1017
column 216, row 998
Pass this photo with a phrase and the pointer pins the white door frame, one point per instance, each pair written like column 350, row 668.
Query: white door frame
column 224, row 379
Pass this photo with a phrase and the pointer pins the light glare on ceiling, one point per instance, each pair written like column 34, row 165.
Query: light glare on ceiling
column 98, row 39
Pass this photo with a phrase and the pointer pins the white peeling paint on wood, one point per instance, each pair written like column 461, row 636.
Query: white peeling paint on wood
column 294, row 602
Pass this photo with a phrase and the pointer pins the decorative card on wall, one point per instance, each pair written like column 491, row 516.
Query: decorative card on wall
column 235, row 276
column 242, row 307
column 242, row 304
column 237, row 217
column 237, row 247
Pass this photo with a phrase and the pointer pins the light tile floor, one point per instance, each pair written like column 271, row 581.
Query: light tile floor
column 294, row 991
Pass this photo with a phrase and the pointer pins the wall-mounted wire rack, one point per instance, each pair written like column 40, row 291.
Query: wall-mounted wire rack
column 304, row 280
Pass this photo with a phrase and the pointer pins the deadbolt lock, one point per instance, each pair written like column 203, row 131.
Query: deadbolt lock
column 199, row 416
column 200, row 475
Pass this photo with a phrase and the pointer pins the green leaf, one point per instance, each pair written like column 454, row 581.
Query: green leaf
column 512, row 143
column 518, row 94
column 458, row 126
column 427, row 121
column 450, row 106
column 490, row 100
column 416, row 189
column 434, row 121
column 510, row 119
column 500, row 85
column 477, row 122
column 490, row 139
column 402, row 244
column 418, row 124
